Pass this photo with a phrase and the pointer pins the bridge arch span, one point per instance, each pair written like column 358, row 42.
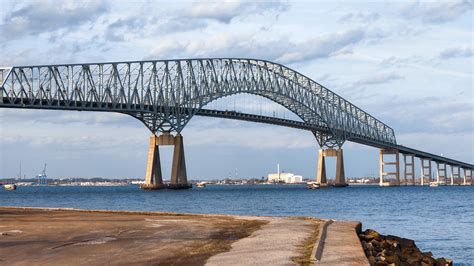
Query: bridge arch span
column 166, row 94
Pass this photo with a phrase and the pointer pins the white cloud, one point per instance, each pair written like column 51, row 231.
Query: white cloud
column 360, row 17
column 41, row 16
column 225, row 11
column 278, row 49
column 379, row 78
column 438, row 11
column 456, row 52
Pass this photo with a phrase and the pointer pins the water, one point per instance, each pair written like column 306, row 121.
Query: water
column 440, row 219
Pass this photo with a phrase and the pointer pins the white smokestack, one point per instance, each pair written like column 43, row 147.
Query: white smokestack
column 278, row 171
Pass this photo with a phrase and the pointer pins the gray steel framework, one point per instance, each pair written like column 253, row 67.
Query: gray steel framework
column 166, row 94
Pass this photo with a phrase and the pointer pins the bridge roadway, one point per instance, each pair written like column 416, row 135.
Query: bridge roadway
column 266, row 120
column 301, row 125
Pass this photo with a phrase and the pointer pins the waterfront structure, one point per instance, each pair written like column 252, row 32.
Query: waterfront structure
column 288, row 178
column 166, row 94
column 42, row 177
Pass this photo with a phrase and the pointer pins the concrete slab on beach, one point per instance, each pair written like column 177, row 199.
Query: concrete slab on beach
column 67, row 236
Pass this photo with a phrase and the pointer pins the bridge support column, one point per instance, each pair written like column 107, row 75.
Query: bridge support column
column 468, row 175
column 425, row 170
column 441, row 172
column 179, row 178
column 321, row 177
column 396, row 163
column 455, row 174
column 153, row 178
column 409, row 168
column 340, row 175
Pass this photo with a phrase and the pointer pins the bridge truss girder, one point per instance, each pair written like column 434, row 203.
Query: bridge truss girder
column 166, row 94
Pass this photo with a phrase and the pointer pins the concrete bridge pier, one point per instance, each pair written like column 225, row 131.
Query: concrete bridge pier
column 441, row 172
column 425, row 170
column 154, row 178
column 468, row 175
column 179, row 179
column 340, row 175
column 455, row 174
column 409, row 168
column 396, row 163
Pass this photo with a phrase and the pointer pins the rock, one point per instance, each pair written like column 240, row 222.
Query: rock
column 444, row 262
column 370, row 246
column 428, row 260
column 386, row 245
column 367, row 253
column 428, row 254
column 373, row 252
column 365, row 245
column 371, row 234
column 404, row 242
column 387, row 253
column 411, row 252
column 397, row 251
column 376, row 244
column 441, row 262
column 371, row 260
column 393, row 259
column 413, row 261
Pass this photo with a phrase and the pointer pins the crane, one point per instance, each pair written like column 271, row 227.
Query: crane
column 42, row 176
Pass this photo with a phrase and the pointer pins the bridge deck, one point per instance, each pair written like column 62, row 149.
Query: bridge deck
column 304, row 126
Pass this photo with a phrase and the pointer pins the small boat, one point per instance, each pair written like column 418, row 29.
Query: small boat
column 434, row 184
column 201, row 184
column 313, row 185
column 9, row 186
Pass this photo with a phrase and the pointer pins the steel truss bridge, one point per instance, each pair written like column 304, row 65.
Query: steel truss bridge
column 166, row 94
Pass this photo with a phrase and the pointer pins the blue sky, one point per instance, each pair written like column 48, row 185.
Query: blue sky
column 408, row 63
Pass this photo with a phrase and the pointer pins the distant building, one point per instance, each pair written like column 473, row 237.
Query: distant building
column 288, row 178
column 358, row 180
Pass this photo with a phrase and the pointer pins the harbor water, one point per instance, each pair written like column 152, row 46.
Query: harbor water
column 440, row 220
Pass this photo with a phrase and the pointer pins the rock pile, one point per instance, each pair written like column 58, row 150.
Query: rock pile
column 393, row 250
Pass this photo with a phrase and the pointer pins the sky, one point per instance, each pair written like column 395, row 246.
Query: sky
column 408, row 63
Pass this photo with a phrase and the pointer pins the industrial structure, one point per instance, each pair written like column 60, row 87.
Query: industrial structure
column 42, row 177
column 166, row 94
